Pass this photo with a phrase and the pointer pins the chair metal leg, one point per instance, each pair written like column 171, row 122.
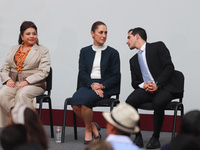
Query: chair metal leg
column 75, row 126
column 182, row 111
column 51, row 118
column 40, row 108
column 64, row 122
column 113, row 104
column 178, row 107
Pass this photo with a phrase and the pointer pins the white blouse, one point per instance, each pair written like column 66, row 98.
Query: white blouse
column 96, row 69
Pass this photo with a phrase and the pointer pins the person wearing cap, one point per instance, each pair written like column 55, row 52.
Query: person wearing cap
column 121, row 123
column 152, row 78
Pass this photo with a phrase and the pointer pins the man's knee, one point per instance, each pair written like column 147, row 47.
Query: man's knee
column 134, row 99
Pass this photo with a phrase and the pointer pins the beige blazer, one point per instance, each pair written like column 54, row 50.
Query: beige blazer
column 36, row 66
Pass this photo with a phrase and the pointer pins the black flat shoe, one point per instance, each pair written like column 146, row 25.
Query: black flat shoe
column 87, row 142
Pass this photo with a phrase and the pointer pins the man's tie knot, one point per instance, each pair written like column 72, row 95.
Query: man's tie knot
column 140, row 52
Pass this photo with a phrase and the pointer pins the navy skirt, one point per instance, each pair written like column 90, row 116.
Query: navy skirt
column 86, row 96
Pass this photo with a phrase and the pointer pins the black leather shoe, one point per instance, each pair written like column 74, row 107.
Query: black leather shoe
column 138, row 141
column 153, row 143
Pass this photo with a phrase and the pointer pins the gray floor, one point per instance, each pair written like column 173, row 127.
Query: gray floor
column 71, row 144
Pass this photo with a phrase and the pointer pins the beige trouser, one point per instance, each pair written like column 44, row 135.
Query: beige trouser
column 10, row 96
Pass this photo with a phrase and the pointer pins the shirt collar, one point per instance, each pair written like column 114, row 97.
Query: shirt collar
column 119, row 138
column 99, row 48
column 143, row 47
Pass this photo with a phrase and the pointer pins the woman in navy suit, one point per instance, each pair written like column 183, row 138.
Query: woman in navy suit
column 99, row 70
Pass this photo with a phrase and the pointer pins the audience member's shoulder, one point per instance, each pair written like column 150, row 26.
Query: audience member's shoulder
column 31, row 146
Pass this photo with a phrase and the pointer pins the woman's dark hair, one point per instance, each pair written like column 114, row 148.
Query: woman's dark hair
column 139, row 31
column 25, row 25
column 96, row 24
column 13, row 136
column 34, row 128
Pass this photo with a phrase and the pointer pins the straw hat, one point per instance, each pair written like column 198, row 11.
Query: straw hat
column 123, row 117
column 18, row 112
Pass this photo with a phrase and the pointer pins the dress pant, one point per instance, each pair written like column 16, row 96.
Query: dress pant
column 10, row 96
column 159, row 99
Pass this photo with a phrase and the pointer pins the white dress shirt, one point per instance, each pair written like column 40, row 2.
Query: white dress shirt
column 96, row 69
column 120, row 142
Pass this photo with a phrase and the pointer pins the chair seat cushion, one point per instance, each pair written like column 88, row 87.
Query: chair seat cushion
column 43, row 97
column 106, row 102
column 170, row 106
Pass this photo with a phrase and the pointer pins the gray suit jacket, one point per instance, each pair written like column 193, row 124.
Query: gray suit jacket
column 36, row 66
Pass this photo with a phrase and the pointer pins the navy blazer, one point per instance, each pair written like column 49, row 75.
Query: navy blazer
column 159, row 64
column 110, row 68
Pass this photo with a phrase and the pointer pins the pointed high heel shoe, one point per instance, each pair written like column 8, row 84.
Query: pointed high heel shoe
column 97, row 126
column 98, row 137
column 87, row 142
column 98, row 129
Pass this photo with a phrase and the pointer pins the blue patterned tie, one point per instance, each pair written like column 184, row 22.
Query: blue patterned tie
column 143, row 68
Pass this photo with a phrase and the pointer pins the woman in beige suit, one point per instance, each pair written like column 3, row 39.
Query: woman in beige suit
column 23, row 72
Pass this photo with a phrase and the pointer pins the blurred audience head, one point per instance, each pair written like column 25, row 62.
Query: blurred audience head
column 99, row 145
column 13, row 136
column 22, row 114
column 122, row 120
column 184, row 142
column 190, row 123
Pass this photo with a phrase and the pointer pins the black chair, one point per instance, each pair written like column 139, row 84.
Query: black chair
column 176, row 103
column 110, row 102
column 46, row 98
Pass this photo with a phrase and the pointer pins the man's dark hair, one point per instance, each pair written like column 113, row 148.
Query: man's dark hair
column 190, row 123
column 139, row 31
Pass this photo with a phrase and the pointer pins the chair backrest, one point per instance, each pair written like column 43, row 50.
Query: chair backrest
column 180, row 80
column 117, row 94
column 49, row 82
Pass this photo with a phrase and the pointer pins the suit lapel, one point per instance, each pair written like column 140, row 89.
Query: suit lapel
column 31, row 54
column 90, row 59
column 148, row 57
column 13, row 55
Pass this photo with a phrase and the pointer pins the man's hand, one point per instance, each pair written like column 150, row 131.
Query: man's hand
column 146, row 85
column 10, row 83
column 150, row 87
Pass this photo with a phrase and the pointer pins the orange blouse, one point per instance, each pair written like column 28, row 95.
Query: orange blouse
column 20, row 57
